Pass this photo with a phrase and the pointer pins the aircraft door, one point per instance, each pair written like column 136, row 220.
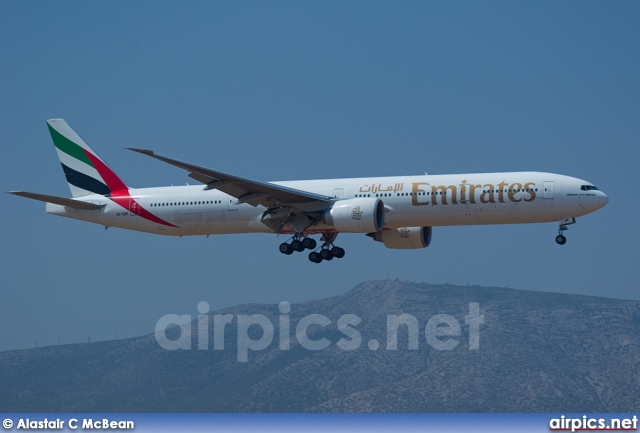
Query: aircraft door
column 233, row 203
column 134, row 207
column 464, row 198
column 547, row 191
column 338, row 193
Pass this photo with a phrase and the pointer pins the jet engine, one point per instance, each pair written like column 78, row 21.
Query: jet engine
column 356, row 215
column 404, row 238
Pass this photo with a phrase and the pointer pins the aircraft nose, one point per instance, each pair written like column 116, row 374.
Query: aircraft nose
column 604, row 199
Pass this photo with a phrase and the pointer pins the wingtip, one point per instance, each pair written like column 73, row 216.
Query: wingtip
column 142, row 151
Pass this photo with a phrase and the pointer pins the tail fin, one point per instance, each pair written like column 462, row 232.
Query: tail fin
column 86, row 173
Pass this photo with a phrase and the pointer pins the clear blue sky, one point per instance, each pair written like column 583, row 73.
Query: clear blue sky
column 299, row 90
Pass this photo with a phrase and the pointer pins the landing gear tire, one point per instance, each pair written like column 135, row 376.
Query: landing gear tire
column 315, row 257
column 561, row 239
column 297, row 245
column 309, row 243
column 326, row 254
column 286, row 248
column 337, row 252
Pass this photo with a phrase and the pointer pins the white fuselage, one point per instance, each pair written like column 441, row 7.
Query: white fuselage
column 409, row 201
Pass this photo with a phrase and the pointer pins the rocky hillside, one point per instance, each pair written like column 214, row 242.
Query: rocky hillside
column 536, row 352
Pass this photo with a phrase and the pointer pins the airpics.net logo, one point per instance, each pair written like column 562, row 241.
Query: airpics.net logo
column 256, row 332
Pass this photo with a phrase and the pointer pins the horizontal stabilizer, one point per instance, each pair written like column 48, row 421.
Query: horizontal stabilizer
column 67, row 202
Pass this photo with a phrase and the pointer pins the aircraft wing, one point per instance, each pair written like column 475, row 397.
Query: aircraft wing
column 245, row 190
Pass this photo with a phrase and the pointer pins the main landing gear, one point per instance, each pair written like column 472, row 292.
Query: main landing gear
column 327, row 251
column 561, row 239
column 299, row 244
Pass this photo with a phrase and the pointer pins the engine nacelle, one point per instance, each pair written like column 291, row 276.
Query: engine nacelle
column 356, row 215
column 404, row 238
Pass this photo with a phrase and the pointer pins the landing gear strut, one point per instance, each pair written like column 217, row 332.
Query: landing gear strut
column 561, row 239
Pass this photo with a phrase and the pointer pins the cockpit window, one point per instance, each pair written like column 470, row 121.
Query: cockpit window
column 589, row 188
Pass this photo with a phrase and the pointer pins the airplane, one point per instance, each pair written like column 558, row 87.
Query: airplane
column 399, row 211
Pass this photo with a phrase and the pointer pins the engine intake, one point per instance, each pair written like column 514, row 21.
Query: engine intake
column 404, row 238
column 356, row 215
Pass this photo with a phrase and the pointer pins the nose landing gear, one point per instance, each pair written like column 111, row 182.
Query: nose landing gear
column 561, row 239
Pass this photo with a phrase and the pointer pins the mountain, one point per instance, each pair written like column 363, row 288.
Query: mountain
column 533, row 352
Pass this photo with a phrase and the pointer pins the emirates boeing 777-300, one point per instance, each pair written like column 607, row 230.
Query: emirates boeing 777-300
column 398, row 211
